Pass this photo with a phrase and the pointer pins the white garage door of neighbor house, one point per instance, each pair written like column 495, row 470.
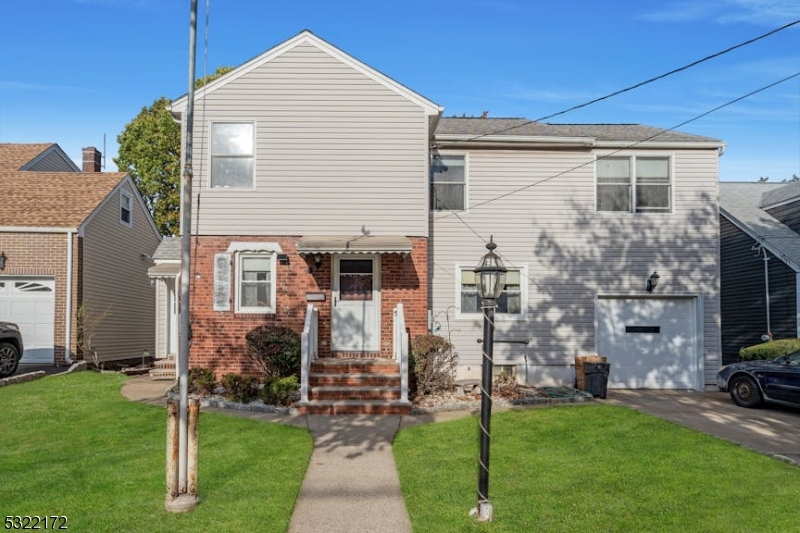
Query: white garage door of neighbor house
column 30, row 303
column 650, row 343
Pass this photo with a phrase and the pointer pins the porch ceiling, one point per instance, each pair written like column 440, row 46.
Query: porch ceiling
column 354, row 244
column 164, row 270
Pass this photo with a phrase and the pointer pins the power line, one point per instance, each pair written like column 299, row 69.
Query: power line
column 697, row 117
column 635, row 86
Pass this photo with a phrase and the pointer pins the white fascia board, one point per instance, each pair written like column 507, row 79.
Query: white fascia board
column 306, row 37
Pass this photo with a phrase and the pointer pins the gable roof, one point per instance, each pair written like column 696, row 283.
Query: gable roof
column 53, row 199
column 14, row 156
column 492, row 131
column 306, row 37
column 743, row 205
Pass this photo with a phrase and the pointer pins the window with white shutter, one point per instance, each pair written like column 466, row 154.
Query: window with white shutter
column 222, row 282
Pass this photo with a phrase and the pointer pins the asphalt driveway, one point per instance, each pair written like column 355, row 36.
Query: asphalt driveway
column 770, row 430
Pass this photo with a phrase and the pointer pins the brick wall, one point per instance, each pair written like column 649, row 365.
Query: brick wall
column 218, row 336
column 45, row 254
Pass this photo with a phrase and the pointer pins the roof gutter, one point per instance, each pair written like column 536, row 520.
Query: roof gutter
column 518, row 141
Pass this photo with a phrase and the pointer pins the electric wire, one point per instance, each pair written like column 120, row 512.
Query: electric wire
column 632, row 87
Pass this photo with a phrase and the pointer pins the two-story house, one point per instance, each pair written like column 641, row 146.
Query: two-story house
column 320, row 181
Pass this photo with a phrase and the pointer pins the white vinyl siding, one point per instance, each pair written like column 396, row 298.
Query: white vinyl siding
column 545, row 218
column 336, row 152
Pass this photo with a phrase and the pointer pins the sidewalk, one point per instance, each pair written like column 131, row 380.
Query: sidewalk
column 351, row 485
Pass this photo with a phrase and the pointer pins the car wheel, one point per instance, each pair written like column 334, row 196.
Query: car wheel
column 744, row 391
column 9, row 359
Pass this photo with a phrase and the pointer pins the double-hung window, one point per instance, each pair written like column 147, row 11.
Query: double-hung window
column 510, row 301
column 125, row 208
column 638, row 184
column 448, row 183
column 232, row 155
column 255, row 283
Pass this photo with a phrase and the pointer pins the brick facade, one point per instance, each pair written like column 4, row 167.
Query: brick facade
column 218, row 337
column 45, row 255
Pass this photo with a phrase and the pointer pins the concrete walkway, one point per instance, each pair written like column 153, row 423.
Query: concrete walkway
column 351, row 484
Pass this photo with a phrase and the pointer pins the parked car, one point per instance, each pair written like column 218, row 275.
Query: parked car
column 751, row 383
column 10, row 348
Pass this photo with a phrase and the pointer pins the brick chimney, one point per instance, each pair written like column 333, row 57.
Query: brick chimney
column 92, row 159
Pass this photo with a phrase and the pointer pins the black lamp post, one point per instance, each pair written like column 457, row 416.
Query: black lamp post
column 491, row 280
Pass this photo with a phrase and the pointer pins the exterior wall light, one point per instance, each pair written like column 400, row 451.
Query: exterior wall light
column 2, row 261
column 651, row 282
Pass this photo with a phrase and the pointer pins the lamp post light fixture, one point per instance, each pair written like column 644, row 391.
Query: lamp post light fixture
column 491, row 280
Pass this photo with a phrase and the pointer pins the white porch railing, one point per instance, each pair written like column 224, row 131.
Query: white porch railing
column 309, row 348
column 400, row 348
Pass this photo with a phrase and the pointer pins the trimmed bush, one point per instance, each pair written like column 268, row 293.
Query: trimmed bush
column 433, row 364
column 279, row 391
column 274, row 349
column 769, row 349
column 202, row 381
column 240, row 389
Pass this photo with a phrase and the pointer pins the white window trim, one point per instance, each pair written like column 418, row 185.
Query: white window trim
column 465, row 155
column 122, row 196
column 210, row 156
column 633, row 157
column 501, row 317
column 238, row 284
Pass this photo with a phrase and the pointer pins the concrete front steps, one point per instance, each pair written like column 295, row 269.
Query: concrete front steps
column 354, row 387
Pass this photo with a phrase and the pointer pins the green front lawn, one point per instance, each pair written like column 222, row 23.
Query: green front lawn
column 73, row 446
column 596, row 468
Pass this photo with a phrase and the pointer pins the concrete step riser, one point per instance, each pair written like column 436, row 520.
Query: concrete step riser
column 355, row 395
column 353, row 381
column 354, row 410
column 354, row 369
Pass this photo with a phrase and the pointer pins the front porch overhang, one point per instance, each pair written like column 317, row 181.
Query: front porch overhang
column 164, row 271
column 354, row 244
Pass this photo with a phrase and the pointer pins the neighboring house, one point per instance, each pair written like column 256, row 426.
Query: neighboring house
column 74, row 246
column 760, row 243
column 165, row 274
column 318, row 180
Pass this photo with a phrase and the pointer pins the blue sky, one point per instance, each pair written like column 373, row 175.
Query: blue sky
column 74, row 70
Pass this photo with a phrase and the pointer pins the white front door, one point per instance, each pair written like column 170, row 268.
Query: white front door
column 356, row 320
column 30, row 303
column 173, row 325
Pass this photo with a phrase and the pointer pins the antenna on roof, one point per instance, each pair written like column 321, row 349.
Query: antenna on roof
column 104, row 151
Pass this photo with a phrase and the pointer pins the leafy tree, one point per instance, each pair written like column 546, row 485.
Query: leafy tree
column 150, row 151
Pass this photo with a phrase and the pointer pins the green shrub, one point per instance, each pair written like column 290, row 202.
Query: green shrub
column 769, row 349
column 432, row 365
column 275, row 350
column 240, row 389
column 279, row 391
column 202, row 381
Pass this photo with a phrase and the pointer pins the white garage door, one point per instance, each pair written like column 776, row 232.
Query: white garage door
column 650, row 343
column 30, row 302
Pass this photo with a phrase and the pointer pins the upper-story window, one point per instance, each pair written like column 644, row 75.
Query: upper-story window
column 449, row 183
column 125, row 208
column 638, row 183
column 232, row 155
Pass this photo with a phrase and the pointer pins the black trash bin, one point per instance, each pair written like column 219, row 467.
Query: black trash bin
column 596, row 378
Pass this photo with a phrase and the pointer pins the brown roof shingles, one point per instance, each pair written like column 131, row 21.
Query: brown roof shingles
column 14, row 156
column 52, row 199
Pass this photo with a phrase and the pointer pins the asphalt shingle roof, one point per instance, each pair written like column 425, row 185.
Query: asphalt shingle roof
column 53, row 199
column 742, row 204
column 15, row 156
column 168, row 250
column 601, row 132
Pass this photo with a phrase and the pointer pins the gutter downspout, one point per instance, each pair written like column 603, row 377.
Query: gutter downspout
column 759, row 249
column 70, row 266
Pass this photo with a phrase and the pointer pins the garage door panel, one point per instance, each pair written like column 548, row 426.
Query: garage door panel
column 30, row 303
column 650, row 343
